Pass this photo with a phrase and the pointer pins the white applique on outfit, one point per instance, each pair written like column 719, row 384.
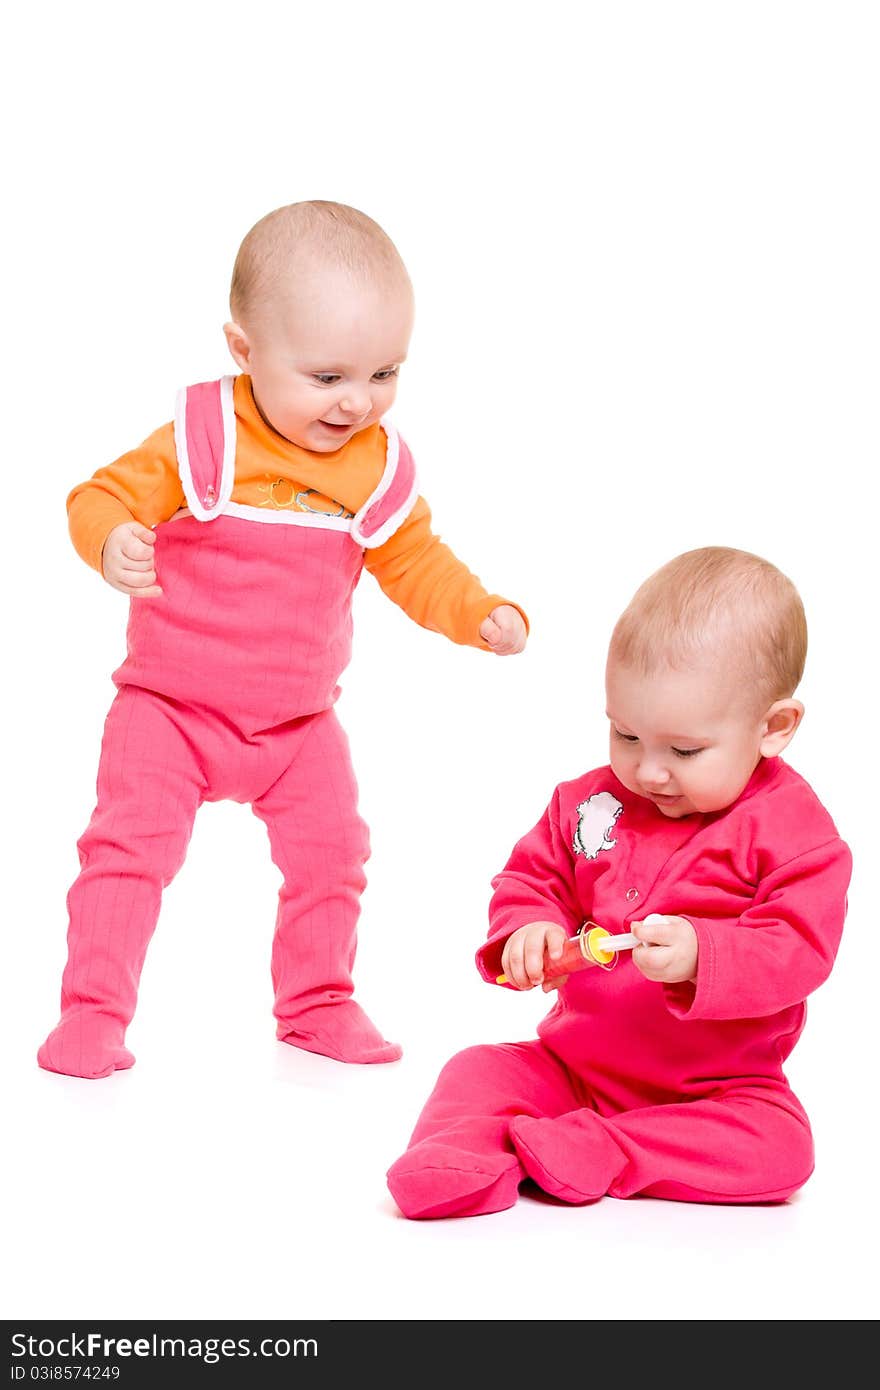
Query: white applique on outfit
column 597, row 817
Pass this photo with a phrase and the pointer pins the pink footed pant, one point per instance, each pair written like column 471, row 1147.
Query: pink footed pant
column 501, row 1114
column 159, row 761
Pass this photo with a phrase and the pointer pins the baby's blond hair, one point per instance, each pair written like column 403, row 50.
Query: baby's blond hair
column 300, row 236
column 722, row 603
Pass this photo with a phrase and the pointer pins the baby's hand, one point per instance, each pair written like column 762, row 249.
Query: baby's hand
column 504, row 630
column 522, row 959
column 669, row 950
column 128, row 560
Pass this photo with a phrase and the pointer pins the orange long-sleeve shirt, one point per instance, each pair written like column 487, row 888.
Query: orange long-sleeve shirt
column 414, row 567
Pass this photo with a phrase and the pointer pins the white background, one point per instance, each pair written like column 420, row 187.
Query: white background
column 643, row 238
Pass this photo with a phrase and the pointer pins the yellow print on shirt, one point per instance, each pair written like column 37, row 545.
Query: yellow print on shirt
column 283, row 495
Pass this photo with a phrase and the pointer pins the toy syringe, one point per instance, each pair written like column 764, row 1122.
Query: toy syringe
column 591, row 946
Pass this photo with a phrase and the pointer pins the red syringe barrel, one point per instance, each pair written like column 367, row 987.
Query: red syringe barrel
column 578, row 952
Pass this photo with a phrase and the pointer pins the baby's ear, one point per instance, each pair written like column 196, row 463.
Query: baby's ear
column 239, row 344
column 780, row 725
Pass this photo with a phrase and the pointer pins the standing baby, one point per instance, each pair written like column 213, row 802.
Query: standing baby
column 239, row 532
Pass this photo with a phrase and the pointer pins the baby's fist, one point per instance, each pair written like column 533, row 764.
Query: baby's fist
column 128, row 560
column 504, row 630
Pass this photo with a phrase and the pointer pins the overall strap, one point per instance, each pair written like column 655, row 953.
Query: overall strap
column 204, row 436
column 390, row 504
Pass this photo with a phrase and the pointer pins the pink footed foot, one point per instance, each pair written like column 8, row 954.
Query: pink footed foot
column 86, row 1043
column 340, row 1030
column 434, row 1180
column 570, row 1157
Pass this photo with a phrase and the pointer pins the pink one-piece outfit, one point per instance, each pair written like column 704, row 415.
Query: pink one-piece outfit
column 634, row 1087
column 227, row 692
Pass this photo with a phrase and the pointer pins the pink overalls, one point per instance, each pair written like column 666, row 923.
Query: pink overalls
column 227, row 692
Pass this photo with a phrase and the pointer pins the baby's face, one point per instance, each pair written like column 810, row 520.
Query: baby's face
column 324, row 358
column 688, row 740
